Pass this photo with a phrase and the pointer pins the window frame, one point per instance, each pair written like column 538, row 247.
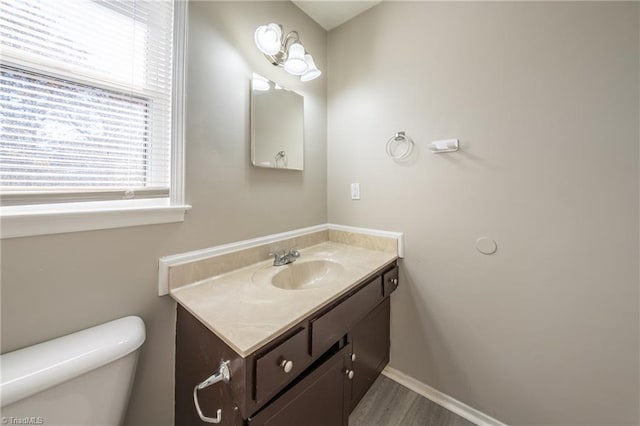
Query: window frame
column 53, row 218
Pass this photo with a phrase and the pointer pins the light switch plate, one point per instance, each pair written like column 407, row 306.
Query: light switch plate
column 355, row 191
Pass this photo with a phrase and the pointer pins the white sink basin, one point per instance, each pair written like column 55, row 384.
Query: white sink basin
column 303, row 275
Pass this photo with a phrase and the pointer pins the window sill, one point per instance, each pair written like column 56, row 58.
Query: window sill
column 25, row 221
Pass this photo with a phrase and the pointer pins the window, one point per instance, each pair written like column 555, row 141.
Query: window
column 89, row 109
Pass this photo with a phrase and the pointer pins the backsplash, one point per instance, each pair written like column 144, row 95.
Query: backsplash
column 199, row 270
column 373, row 242
column 188, row 268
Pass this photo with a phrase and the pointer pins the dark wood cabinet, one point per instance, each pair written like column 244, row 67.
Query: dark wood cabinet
column 340, row 318
column 320, row 399
column 313, row 374
column 389, row 281
column 370, row 344
column 272, row 371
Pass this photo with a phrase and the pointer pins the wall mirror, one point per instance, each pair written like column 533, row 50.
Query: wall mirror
column 277, row 126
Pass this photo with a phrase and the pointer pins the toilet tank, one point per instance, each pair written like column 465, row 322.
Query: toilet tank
column 84, row 378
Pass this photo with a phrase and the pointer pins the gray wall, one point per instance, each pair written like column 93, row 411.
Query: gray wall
column 544, row 99
column 54, row 285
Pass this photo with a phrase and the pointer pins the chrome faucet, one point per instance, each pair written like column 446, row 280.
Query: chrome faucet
column 283, row 258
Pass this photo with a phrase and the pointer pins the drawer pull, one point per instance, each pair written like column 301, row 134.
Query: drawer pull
column 393, row 281
column 353, row 357
column 349, row 374
column 287, row 366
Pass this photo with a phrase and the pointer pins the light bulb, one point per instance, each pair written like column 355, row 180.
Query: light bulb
column 268, row 38
column 312, row 70
column 295, row 63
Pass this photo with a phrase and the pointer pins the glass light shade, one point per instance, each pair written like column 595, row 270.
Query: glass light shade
column 295, row 63
column 312, row 70
column 259, row 82
column 268, row 38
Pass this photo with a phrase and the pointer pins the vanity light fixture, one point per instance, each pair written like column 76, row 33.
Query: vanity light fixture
column 286, row 51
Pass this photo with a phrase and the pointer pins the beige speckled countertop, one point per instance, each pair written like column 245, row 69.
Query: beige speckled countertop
column 246, row 311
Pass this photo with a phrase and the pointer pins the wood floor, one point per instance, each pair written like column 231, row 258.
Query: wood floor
column 390, row 404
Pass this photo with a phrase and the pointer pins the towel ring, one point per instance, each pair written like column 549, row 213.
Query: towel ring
column 394, row 143
column 281, row 159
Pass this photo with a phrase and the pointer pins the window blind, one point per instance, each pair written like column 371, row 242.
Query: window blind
column 85, row 99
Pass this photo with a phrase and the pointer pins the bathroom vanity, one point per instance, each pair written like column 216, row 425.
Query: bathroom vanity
column 310, row 371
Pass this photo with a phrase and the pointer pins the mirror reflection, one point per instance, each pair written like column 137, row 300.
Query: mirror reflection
column 277, row 126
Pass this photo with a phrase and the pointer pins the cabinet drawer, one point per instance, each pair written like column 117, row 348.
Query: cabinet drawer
column 321, row 398
column 390, row 281
column 281, row 364
column 328, row 328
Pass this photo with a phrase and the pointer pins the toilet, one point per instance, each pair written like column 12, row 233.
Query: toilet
column 84, row 378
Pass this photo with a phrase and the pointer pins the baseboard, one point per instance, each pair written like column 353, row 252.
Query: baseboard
column 442, row 399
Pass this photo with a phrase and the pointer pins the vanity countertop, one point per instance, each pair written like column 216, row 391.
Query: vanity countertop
column 246, row 311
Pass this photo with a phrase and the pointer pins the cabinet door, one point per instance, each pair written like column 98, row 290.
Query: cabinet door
column 320, row 399
column 370, row 342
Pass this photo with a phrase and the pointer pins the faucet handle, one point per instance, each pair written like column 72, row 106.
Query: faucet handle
column 293, row 251
column 277, row 254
